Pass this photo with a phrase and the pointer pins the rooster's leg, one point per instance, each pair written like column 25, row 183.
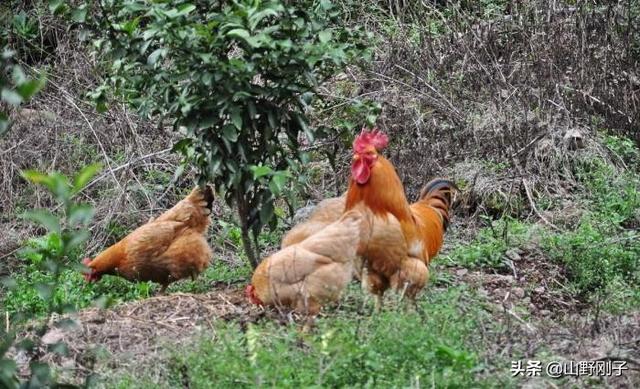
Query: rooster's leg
column 163, row 289
column 378, row 303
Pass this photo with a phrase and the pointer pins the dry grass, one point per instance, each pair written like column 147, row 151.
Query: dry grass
column 61, row 131
column 502, row 90
column 136, row 333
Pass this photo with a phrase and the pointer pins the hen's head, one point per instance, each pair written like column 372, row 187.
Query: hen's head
column 90, row 275
column 365, row 153
column 250, row 293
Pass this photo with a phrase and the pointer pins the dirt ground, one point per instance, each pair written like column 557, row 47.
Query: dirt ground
column 529, row 315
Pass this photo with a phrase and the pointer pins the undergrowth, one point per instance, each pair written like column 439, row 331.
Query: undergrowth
column 391, row 349
column 600, row 255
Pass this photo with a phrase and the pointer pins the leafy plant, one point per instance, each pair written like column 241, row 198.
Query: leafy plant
column 238, row 80
column 602, row 256
column 66, row 232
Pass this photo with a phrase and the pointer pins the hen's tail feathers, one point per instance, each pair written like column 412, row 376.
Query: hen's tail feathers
column 439, row 193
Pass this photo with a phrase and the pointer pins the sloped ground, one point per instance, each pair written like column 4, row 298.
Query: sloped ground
column 471, row 105
column 134, row 332
column 529, row 320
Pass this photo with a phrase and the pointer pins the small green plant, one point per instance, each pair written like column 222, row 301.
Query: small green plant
column 625, row 148
column 24, row 26
column 602, row 256
column 67, row 231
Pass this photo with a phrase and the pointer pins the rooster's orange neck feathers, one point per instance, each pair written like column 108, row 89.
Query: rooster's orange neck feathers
column 390, row 199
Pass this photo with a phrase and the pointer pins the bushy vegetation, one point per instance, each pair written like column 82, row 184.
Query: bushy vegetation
column 237, row 80
column 67, row 233
column 601, row 254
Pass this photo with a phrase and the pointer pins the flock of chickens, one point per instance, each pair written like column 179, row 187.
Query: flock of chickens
column 371, row 232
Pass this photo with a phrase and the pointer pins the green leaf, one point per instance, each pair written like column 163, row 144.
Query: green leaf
column 8, row 282
column 266, row 212
column 153, row 57
column 245, row 36
column 130, row 27
column 277, row 184
column 104, row 302
column 45, row 291
column 45, row 218
column 236, row 119
column 256, row 18
column 230, row 133
column 85, row 175
column 35, row 177
column 214, row 165
column 239, row 33
column 18, row 76
column 59, row 348
column 77, row 238
column 41, row 371
column 80, row 214
column 79, row 14
column 11, row 97
column 324, row 36
column 260, row 171
column 4, row 123
column 185, row 9
column 28, row 89
column 101, row 106
column 56, row 6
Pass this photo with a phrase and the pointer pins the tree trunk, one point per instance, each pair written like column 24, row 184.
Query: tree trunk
column 243, row 214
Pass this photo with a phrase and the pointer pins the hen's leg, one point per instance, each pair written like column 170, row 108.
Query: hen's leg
column 378, row 302
column 376, row 285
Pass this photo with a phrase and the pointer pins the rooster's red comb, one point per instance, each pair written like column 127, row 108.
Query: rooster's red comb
column 374, row 138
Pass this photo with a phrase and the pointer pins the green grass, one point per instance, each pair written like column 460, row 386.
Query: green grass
column 489, row 247
column 347, row 348
column 602, row 255
column 23, row 298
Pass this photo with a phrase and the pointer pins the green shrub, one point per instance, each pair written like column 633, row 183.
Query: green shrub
column 237, row 80
column 67, row 232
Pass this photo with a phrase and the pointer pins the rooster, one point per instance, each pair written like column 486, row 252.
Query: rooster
column 164, row 250
column 405, row 236
column 306, row 275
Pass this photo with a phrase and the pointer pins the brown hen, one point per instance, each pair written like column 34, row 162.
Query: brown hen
column 166, row 249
